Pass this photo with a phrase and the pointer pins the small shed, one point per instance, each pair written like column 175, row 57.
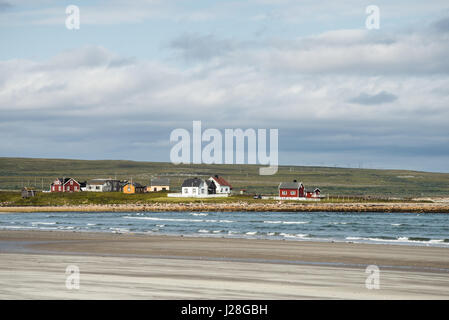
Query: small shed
column 28, row 193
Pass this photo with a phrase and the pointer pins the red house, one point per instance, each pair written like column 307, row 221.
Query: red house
column 313, row 194
column 65, row 185
column 291, row 189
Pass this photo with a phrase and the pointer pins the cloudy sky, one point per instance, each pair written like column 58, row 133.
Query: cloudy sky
column 339, row 94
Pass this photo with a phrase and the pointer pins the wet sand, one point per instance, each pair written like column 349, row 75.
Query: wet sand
column 115, row 266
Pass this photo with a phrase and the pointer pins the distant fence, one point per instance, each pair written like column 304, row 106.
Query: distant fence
column 180, row 195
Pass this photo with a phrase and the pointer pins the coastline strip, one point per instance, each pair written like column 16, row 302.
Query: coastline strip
column 241, row 206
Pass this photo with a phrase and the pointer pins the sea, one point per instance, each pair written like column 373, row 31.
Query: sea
column 422, row 229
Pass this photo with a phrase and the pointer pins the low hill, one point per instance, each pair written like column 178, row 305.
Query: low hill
column 39, row 173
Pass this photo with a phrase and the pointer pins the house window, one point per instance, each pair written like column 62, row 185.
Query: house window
column 194, row 191
column 76, row 188
column 71, row 183
column 292, row 193
column 129, row 189
column 97, row 187
column 60, row 188
column 185, row 190
column 284, row 193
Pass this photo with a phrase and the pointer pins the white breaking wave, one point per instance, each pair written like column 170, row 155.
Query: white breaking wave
column 286, row 222
column 399, row 239
column 44, row 223
column 251, row 233
column 119, row 230
column 298, row 235
column 177, row 219
column 16, row 227
column 199, row 214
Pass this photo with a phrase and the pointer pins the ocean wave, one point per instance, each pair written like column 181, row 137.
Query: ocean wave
column 44, row 223
column 198, row 214
column 119, row 230
column 177, row 219
column 203, row 231
column 399, row 239
column 285, row 222
column 298, row 235
column 251, row 233
column 16, row 227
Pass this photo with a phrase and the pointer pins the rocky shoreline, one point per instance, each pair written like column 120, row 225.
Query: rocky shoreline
column 244, row 206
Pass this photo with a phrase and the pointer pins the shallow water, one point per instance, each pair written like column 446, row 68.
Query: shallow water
column 393, row 228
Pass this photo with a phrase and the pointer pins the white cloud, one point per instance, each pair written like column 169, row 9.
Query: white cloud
column 300, row 86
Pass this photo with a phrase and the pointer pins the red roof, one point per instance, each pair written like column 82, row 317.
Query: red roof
column 221, row 181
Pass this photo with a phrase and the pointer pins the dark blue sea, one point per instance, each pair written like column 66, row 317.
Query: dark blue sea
column 391, row 228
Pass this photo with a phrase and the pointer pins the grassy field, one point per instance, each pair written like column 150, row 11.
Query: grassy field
column 13, row 198
column 39, row 173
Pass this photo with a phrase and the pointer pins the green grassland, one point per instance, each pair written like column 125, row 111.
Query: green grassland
column 39, row 173
column 13, row 198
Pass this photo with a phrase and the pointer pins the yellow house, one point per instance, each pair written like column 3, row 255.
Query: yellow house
column 133, row 188
column 158, row 184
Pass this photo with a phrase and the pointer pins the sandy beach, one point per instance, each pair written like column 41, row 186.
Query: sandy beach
column 281, row 206
column 127, row 266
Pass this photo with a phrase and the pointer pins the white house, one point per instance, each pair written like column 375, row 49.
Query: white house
column 222, row 186
column 194, row 187
column 103, row 185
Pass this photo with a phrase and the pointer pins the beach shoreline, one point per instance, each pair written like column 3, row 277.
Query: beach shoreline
column 127, row 266
column 241, row 206
column 274, row 251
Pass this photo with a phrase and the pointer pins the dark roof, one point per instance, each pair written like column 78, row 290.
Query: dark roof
column 65, row 180
column 100, row 181
column 135, row 184
column 97, row 181
column 211, row 184
column 290, row 185
column 195, row 182
column 221, row 181
column 160, row 182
